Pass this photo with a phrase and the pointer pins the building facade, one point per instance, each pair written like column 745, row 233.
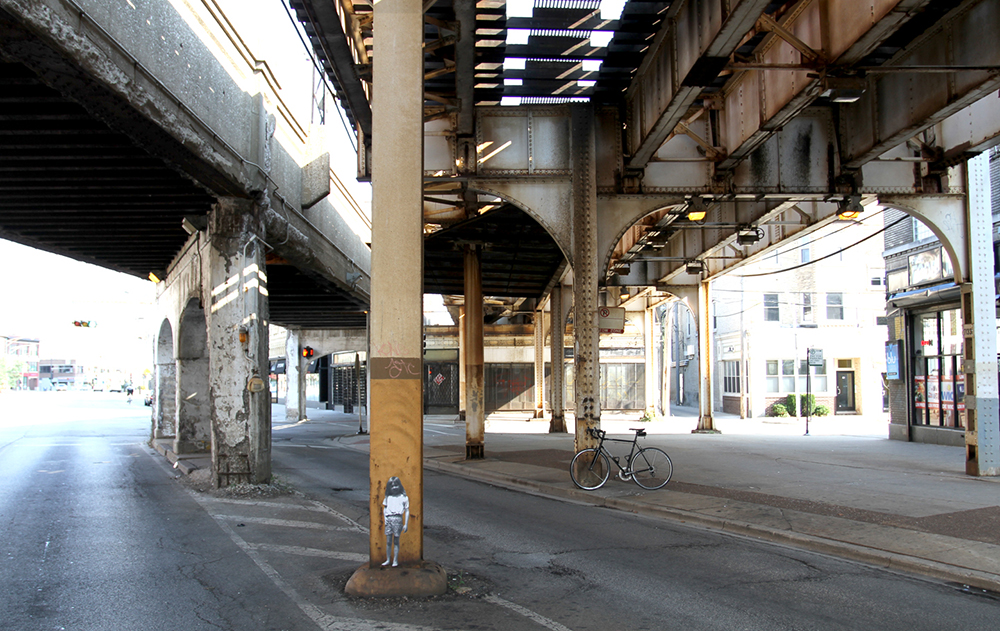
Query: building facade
column 20, row 355
column 808, row 318
column 925, row 342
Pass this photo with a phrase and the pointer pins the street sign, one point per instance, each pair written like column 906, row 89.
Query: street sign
column 611, row 319
column 815, row 356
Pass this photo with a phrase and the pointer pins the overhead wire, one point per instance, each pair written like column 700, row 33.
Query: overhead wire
column 835, row 253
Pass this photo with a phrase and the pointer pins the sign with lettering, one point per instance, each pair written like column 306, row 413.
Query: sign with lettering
column 611, row 319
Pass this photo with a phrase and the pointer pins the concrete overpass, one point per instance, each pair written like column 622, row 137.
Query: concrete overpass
column 538, row 151
column 175, row 140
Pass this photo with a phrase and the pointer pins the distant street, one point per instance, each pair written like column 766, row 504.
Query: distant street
column 97, row 534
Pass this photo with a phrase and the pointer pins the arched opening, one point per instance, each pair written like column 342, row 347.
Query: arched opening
column 192, row 397
column 165, row 399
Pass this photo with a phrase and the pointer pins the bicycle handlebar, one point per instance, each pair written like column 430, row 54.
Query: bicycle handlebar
column 595, row 432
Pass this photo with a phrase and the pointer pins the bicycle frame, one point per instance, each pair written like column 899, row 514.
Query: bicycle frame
column 602, row 436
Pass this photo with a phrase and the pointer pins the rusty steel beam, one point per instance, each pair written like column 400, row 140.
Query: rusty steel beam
column 694, row 44
column 758, row 102
column 898, row 106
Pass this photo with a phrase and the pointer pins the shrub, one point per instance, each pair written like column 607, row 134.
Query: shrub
column 821, row 410
column 779, row 410
column 808, row 403
column 791, row 404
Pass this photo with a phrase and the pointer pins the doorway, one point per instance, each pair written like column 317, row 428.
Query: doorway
column 845, row 391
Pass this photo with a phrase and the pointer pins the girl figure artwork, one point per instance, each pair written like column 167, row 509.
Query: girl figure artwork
column 396, row 513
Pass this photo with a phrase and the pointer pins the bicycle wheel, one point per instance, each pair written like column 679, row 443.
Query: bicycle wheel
column 651, row 468
column 590, row 469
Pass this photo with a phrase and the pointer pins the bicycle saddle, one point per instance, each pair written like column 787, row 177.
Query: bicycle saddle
column 639, row 431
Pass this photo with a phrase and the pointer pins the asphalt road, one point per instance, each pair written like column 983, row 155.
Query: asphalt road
column 96, row 533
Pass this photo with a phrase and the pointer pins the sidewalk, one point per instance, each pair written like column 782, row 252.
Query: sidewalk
column 844, row 490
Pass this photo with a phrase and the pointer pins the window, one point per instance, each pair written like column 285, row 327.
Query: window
column 771, row 313
column 804, row 255
column 920, row 231
column 731, row 377
column 792, row 376
column 876, row 281
column 788, row 375
column 807, row 308
column 835, row 306
column 772, row 375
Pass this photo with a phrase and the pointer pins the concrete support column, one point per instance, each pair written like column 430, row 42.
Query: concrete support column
column 295, row 378
column 238, row 344
column 475, row 394
column 165, row 403
column 192, row 400
column 982, row 433
column 396, row 360
column 586, row 333
column 462, row 403
column 539, row 318
column 557, row 328
column 706, row 423
column 650, row 361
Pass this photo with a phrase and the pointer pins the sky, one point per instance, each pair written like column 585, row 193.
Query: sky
column 43, row 293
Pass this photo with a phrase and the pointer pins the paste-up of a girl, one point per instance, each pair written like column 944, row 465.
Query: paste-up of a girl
column 396, row 513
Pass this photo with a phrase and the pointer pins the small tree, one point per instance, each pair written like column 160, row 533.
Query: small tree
column 10, row 372
column 791, row 403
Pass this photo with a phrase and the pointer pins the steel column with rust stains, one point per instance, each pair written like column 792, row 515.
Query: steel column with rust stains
column 539, row 320
column 706, row 422
column 557, row 329
column 982, row 433
column 649, row 362
column 586, row 334
column 461, row 363
column 475, row 393
column 396, row 423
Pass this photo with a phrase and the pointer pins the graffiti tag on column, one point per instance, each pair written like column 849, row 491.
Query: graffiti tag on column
column 399, row 367
column 387, row 349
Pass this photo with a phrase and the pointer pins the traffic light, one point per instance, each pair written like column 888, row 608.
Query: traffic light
column 307, row 351
column 84, row 323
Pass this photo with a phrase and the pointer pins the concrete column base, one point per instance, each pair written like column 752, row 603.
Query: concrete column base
column 421, row 580
column 705, row 431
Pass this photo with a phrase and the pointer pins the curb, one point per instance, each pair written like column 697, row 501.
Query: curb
column 892, row 561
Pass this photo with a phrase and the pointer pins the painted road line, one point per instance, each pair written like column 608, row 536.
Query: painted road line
column 310, row 552
column 288, row 523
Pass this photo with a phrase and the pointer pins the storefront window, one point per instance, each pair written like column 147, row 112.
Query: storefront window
column 939, row 383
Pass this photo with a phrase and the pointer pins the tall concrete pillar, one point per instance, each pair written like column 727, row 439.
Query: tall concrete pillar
column 238, row 344
column 539, row 318
column 395, row 362
column 475, row 392
column 586, row 333
column 706, row 422
column 295, row 378
column 982, row 433
column 557, row 330
column 650, row 361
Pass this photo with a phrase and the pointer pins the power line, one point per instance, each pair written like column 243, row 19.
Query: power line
column 841, row 250
column 824, row 236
